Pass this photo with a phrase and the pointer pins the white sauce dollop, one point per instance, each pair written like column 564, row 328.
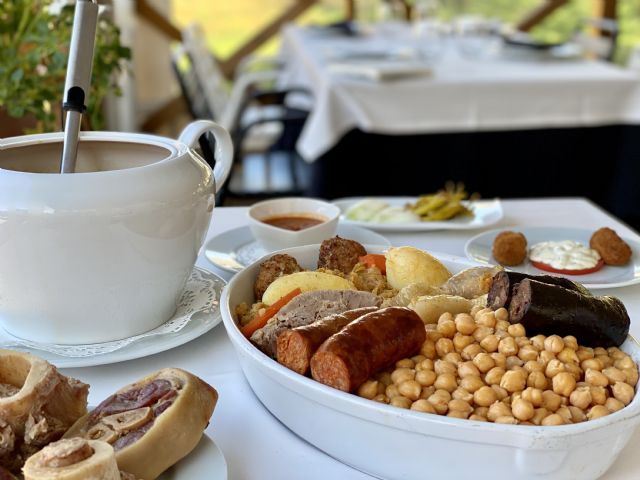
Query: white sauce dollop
column 564, row 255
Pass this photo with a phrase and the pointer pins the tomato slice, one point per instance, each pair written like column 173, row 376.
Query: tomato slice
column 584, row 271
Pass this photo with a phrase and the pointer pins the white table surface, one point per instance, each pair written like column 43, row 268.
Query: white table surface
column 461, row 95
column 255, row 444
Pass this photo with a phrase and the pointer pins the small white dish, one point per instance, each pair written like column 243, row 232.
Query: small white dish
column 486, row 213
column 205, row 461
column 199, row 312
column 271, row 237
column 479, row 249
column 234, row 249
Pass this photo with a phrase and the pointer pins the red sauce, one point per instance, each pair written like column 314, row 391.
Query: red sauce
column 294, row 222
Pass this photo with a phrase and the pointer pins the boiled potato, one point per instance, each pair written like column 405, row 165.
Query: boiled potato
column 305, row 281
column 429, row 308
column 406, row 265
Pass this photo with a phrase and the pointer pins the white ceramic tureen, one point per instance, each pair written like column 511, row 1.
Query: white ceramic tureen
column 103, row 253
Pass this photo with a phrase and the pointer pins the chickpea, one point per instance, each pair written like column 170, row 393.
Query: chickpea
column 553, row 419
column 568, row 355
column 446, row 328
column 615, row 353
column 485, row 396
column 385, row 378
column 584, row 353
column 532, row 395
column 439, row 403
column 458, row 414
column 533, row 366
column 461, row 394
column 591, row 364
column 427, row 392
column 410, row 389
column 481, row 411
column 369, row 389
column 551, row 401
column 545, row 356
column 487, row 319
column 599, row 395
column 528, row 353
column 446, row 381
column 565, row 413
column 508, row 420
column 381, row 397
column 502, row 314
column 537, row 380
column 490, row 343
column 444, row 346
column 538, row 342
column 400, row 401
column 625, row 362
column 453, row 357
column 497, row 410
column 381, row 388
column 482, row 332
column 595, row 378
column 522, row 409
column 613, row 404
column 500, row 392
column 423, row 405
column 574, row 370
column 581, row 397
column 483, row 362
column 426, row 364
column 614, row 375
column 516, row 330
column 538, row 415
column 513, row 381
column 460, row 341
column 475, row 309
column 500, row 359
column 523, row 342
column 477, row 418
column 508, row 346
column 392, row 391
column 631, row 376
column 605, row 360
column 564, row 383
column 623, row 392
column 434, row 335
column 577, row 414
column 471, row 384
column 406, row 363
column 597, row 411
column 465, row 324
column 446, row 316
column 494, row 376
column 514, row 363
column 417, row 359
column 428, row 349
column 554, row 367
column 443, row 366
column 570, row 342
column 470, row 351
column 600, row 351
column 502, row 325
column 460, row 406
column 399, row 375
column 467, row 369
column 426, row 378
column 554, row 343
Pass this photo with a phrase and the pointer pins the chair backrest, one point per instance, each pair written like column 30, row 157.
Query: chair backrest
column 602, row 43
column 192, row 91
column 206, row 70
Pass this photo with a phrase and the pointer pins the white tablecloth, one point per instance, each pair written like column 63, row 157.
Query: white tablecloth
column 256, row 446
column 461, row 95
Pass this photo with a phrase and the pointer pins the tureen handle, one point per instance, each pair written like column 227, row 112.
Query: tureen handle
column 224, row 147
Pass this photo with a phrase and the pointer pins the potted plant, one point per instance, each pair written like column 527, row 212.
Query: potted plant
column 34, row 41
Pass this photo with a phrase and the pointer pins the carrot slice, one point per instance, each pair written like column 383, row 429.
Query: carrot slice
column 375, row 260
column 261, row 320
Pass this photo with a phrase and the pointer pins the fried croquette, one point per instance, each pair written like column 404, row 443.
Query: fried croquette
column 612, row 249
column 510, row 248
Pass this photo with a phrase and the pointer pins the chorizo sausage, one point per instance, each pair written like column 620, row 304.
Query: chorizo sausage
column 550, row 309
column 296, row 346
column 366, row 345
column 503, row 282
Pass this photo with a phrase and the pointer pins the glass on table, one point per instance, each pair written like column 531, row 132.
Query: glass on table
column 477, row 37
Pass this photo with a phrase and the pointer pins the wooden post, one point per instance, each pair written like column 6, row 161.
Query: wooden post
column 150, row 14
column 350, row 10
column 538, row 14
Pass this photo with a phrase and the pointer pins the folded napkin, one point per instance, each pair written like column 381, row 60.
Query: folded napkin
column 380, row 70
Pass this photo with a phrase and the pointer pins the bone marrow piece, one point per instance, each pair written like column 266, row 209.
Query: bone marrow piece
column 153, row 422
column 366, row 345
column 549, row 309
column 73, row 459
column 37, row 405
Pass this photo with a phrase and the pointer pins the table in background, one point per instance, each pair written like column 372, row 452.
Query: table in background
column 255, row 444
column 508, row 127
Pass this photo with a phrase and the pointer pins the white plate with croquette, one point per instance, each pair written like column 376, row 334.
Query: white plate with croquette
column 479, row 249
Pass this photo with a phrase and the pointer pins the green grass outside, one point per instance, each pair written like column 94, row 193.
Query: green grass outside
column 228, row 24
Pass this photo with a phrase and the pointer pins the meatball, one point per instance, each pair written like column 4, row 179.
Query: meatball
column 340, row 254
column 612, row 249
column 272, row 268
column 510, row 248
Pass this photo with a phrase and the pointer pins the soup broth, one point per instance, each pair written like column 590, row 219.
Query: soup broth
column 294, row 222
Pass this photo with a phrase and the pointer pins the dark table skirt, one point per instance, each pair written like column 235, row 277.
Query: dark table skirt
column 600, row 163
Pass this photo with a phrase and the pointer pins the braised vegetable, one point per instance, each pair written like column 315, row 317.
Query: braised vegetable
column 261, row 320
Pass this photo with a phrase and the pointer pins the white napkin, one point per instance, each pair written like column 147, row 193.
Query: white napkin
column 380, row 70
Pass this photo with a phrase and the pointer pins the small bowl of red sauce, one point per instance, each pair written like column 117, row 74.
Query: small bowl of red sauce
column 292, row 222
